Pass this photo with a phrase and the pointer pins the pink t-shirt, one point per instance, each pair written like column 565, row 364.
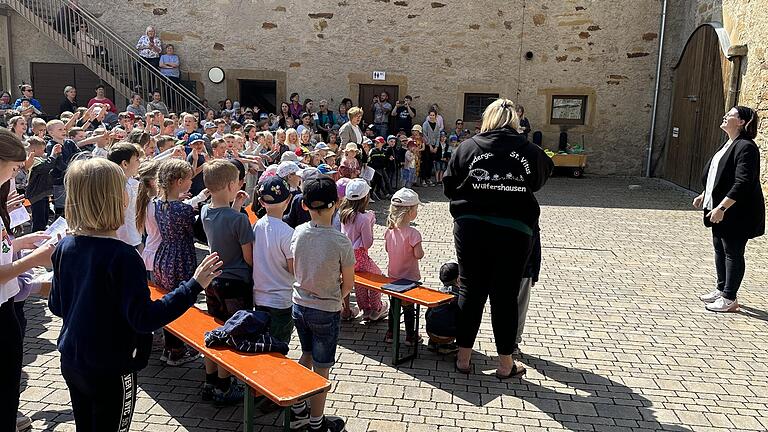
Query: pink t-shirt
column 360, row 230
column 402, row 261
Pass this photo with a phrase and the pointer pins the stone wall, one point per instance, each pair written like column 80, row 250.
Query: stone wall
column 746, row 23
column 434, row 51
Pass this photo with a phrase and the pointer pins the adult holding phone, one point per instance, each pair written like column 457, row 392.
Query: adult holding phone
column 381, row 109
column 403, row 114
column 12, row 155
column 150, row 47
column 733, row 204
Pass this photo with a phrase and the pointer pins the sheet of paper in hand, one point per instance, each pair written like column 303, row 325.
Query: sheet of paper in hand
column 368, row 174
column 401, row 285
column 56, row 231
column 18, row 217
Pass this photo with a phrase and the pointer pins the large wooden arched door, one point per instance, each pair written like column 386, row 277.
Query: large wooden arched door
column 700, row 98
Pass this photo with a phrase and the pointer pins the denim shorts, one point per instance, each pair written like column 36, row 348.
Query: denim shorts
column 318, row 333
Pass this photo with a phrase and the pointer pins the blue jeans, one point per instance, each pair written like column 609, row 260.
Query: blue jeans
column 380, row 129
column 318, row 333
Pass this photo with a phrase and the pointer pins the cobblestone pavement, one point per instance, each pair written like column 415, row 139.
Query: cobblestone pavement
column 616, row 338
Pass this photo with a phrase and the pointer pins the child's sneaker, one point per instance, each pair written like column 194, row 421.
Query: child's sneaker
column 388, row 337
column 381, row 313
column 301, row 419
column 413, row 339
column 233, row 395
column 330, row 424
column 182, row 357
column 207, row 392
column 448, row 348
column 352, row 313
column 164, row 355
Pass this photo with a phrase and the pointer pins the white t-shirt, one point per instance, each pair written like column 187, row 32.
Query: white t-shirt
column 712, row 173
column 272, row 282
column 153, row 237
column 128, row 231
column 11, row 288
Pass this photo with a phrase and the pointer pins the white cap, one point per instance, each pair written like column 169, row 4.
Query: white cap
column 289, row 156
column 322, row 146
column 405, row 198
column 357, row 189
column 308, row 173
column 287, row 168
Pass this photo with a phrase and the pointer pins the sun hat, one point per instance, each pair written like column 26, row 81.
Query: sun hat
column 405, row 198
column 417, row 128
column 289, row 156
column 357, row 189
column 351, row 147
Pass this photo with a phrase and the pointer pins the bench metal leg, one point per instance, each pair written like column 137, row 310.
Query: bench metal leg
column 396, row 359
column 287, row 419
column 248, row 411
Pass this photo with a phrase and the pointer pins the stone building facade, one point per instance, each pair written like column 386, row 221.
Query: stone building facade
column 438, row 52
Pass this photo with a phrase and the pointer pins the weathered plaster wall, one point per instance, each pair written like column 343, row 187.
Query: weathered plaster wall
column 440, row 48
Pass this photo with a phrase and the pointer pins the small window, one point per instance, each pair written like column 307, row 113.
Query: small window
column 475, row 104
column 568, row 110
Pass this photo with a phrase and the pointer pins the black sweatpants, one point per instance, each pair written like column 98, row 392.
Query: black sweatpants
column 101, row 403
column 729, row 263
column 491, row 263
column 10, row 365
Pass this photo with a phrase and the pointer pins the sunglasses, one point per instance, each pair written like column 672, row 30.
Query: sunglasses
column 27, row 90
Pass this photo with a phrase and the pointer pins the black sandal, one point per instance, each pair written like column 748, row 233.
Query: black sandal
column 466, row 371
column 514, row 373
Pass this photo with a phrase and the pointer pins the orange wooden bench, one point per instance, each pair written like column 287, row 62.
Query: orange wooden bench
column 252, row 218
column 273, row 375
column 420, row 296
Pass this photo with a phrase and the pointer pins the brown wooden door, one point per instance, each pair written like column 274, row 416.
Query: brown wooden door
column 368, row 91
column 49, row 80
column 698, row 105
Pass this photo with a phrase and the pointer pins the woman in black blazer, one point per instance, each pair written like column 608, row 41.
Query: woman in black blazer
column 733, row 204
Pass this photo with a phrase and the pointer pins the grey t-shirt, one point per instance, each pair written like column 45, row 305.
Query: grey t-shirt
column 319, row 253
column 227, row 230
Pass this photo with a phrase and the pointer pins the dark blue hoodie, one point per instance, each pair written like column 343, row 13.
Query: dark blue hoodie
column 100, row 290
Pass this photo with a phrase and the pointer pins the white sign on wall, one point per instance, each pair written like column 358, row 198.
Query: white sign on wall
column 675, row 132
column 379, row 75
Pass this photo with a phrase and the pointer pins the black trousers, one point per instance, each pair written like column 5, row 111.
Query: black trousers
column 491, row 263
column 10, row 365
column 101, row 403
column 40, row 210
column 729, row 263
column 380, row 183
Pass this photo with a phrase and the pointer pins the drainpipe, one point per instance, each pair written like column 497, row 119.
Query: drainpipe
column 656, row 90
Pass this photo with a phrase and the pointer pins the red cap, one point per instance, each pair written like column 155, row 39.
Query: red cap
column 380, row 140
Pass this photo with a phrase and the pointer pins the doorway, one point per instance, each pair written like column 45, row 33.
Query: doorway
column 368, row 91
column 49, row 80
column 260, row 93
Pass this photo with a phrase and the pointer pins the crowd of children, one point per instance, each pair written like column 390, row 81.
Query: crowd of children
column 137, row 199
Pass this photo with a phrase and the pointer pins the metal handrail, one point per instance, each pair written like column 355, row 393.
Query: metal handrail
column 102, row 51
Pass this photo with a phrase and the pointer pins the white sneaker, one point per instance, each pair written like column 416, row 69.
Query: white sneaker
column 722, row 304
column 711, row 296
column 383, row 312
column 354, row 311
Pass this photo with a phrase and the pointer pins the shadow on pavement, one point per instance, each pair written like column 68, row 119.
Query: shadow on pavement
column 753, row 313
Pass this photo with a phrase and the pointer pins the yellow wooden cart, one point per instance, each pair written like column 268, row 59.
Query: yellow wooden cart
column 572, row 163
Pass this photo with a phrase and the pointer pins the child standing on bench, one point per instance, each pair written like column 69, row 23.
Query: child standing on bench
column 175, row 259
column 357, row 223
column 100, row 290
column 273, row 276
column 321, row 255
column 403, row 244
column 229, row 234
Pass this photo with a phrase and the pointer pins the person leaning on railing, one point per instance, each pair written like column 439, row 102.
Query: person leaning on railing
column 91, row 46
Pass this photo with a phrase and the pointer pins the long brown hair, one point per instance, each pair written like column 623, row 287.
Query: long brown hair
column 147, row 191
column 11, row 148
column 349, row 209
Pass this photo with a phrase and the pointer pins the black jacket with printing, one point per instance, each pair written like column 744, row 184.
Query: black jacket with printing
column 495, row 174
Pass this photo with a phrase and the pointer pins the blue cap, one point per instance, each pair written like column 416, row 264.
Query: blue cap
column 209, row 125
column 195, row 137
column 180, row 134
column 274, row 190
column 391, row 137
column 325, row 169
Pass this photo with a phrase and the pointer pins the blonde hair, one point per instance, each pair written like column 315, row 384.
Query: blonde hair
column 500, row 114
column 348, row 209
column 289, row 132
column 354, row 112
column 170, row 171
column 147, row 173
column 95, row 200
column 397, row 215
column 217, row 174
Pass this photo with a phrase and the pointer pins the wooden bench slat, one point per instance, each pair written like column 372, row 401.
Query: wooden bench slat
column 252, row 218
column 420, row 295
column 273, row 375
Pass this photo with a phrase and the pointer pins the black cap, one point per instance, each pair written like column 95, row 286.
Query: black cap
column 320, row 193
